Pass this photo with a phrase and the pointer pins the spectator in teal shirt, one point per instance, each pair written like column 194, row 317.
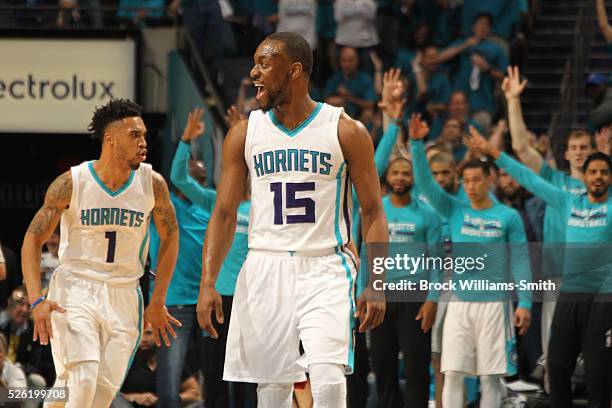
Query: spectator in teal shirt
column 432, row 87
column 494, row 226
column 505, row 13
column 481, row 63
column 183, row 291
column 351, row 88
column 583, row 315
column 217, row 391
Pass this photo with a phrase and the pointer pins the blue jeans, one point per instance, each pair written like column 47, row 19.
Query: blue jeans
column 171, row 360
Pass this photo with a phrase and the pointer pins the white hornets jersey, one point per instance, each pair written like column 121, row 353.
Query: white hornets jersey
column 301, row 195
column 104, row 234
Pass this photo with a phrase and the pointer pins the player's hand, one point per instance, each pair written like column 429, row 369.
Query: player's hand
column 418, row 128
column 156, row 315
column 233, row 115
column 146, row 399
column 210, row 301
column 478, row 144
column 522, row 320
column 427, row 315
column 195, row 126
column 480, row 62
column 371, row 307
column 393, row 89
column 512, row 84
column 41, row 315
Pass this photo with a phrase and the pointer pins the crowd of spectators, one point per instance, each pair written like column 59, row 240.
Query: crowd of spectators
column 382, row 61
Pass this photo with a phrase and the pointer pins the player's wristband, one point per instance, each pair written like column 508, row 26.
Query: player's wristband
column 37, row 302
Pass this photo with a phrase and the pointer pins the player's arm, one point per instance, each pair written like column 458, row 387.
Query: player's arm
column 179, row 174
column 441, row 201
column 520, row 268
column 513, row 87
column 164, row 217
column 358, row 152
column 602, row 19
column 57, row 199
column 2, row 266
column 222, row 225
column 553, row 196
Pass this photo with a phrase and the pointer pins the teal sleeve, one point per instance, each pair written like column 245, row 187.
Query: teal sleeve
column 519, row 259
column 434, row 240
column 385, row 147
column 203, row 197
column 442, row 202
column 553, row 196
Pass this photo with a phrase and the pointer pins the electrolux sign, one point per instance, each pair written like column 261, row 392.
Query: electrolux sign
column 53, row 86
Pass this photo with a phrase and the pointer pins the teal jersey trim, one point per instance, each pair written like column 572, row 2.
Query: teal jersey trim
column 140, row 303
column 338, row 195
column 351, row 351
column 143, row 245
column 103, row 186
column 292, row 133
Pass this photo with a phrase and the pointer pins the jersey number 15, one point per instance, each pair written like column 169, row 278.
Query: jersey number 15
column 291, row 202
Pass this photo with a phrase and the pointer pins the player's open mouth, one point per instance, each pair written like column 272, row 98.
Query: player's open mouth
column 143, row 155
column 260, row 90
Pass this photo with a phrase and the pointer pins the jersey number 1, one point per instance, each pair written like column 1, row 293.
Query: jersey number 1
column 112, row 242
column 291, row 202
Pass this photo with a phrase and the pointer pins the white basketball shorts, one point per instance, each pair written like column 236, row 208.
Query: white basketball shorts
column 102, row 323
column 283, row 298
column 474, row 338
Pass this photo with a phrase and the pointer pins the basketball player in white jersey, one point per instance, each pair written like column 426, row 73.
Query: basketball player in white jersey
column 297, row 281
column 93, row 311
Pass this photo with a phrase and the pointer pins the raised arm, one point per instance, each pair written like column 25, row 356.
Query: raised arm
column 201, row 196
column 441, row 201
column 513, row 87
column 555, row 197
column 57, row 199
column 164, row 217
column 358, row 151
column 602, row 19
column 222, row 225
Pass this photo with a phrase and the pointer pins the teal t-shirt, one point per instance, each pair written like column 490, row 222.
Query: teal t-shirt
column 481, row 98
column 588, row 230
column 205, row 199
column 493, row 227
column 359, row 85
column 438, row 91
column 192, row 222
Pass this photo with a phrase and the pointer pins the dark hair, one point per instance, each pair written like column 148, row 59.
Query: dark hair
column 295, row 47
column 478, row 164
column 485, row 15
column 115, row 110
column 597, row 156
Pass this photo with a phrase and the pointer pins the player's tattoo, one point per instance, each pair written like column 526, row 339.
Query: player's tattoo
column 163, row 210
column 57, row 199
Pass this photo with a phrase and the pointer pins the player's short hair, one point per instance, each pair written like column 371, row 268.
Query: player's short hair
column 444, row 158
column 597, row 156
column 113, row 111
column 577, row 134
column 295, row 47
column 478, row 164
